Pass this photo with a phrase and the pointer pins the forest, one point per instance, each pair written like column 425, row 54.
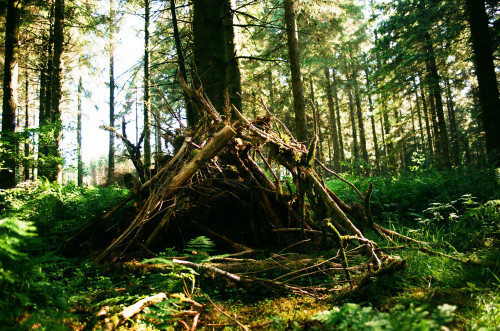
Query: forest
column 241, row 165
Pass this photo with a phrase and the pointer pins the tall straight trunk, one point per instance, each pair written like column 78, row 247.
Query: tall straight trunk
column 434, row 125
column 270, row 85
column 355, row 146
column 359, row 113
column 426, row 119
column 26, row 164
column 434, row 78
column 191, row 116
column 233, row 76
column 210, row 50
column 79, row 134
column 111, row 149
column 485, row 72
column 372, row 119
column 294, row 57
column 319, row 151
column 333, row 122
column 403, row 142
column 147, row 98
column 9, row 102
column 455, row 148
column 55, row 172
column 339, row 126
column 419, row 114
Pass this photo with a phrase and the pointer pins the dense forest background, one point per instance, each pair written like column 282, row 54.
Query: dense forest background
column 240, row 164
column 397, row 85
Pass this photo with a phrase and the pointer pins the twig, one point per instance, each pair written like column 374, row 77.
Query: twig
column 226, row 314
column 341, row 178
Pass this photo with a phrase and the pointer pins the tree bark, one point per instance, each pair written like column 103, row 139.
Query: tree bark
column 294, row 57
column 111, row 149
column 209, row 49
column 355, row 146
column 26, row 165
column 372, row 118
column 426, row 119
column 485, row 72
column 147, row 98
column 455, row 148
column 333, row 122
column 9, row 102
column 191, row 116
column 79, row 134
column 339, row 126
column 233, row 76
column 359, row 113
column 434, row 78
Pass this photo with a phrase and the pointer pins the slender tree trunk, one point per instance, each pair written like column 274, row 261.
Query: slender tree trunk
column 79, row 134
column 147, row 98
column 339, row 125
column 419, row 114
column 374, row 127
column 355, row 146
column 271, row 90
column 444, row 160
column 210, row 49
column 430, row 138
column 233, row 76
column 359, row 113
column 26, row 164
column 111, row 150
column 455, row 148
column 333, row 122
column 191, row 116
column 294, row 56
column 485, row 72
column 55, row 173
column 9, row 102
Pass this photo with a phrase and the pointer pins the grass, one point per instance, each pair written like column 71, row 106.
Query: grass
column 456, row 211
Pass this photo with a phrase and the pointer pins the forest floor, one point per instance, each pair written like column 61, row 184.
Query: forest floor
column 457, row 211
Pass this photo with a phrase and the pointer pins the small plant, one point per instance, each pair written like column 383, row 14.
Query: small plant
column 200, row 244
column 354, row 317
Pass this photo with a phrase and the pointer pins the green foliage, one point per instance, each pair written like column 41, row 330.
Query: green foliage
column 351, row 316
column 200, row 244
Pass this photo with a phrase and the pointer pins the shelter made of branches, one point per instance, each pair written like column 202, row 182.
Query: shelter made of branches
column 222, row 183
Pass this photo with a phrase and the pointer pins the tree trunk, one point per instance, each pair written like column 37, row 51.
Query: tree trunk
column 319, row 151
column 191, row 116
column 339, row 126
column 374, row 127
column 233, row 76
column 294, row 57
column 333, row 122
column 359, row 113
column 433, row 77
column 455, row 149
column 419, row 114
column 26, row 164
column 210, row 49
column 426, row 118
column 147, row 99
column 79, row 134
column 485, row 72
column 8, row 173
column 271, row 90
column 355, row 146
column 111, row 150
column 55, row 171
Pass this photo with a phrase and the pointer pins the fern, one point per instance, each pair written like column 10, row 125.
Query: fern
column 200, row 244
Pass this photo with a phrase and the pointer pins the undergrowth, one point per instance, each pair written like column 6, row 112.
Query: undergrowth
column 457, row 212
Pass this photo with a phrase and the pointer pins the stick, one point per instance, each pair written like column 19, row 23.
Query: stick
column 132, row 310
